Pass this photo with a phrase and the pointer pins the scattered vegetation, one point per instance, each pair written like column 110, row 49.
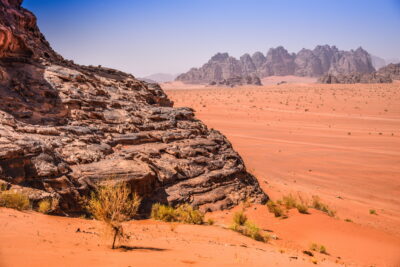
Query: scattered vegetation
column 275, row 209
column 373, row 212
column 113, row 204
column 318, row 248
column 347, row 220
column 318, row 205
column 183, row 213
column 14, row 200
column 242, row 225
column 210, row 221
column 45, row 206
column 286, row 203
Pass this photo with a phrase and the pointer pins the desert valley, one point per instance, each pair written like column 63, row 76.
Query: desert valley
column 276, row 159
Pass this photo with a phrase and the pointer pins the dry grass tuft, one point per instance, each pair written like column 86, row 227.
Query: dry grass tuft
column 183, row 213
column 14, row 200
column 242, row 225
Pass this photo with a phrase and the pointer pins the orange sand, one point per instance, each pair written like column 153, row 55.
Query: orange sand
column 340, row 142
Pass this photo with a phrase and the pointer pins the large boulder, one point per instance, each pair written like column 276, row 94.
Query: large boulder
column 65, row 129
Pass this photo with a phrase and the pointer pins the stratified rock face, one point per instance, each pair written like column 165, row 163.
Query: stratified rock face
column 355, row 78
column 65, row 128
column 391, row 70
column 279, row 62
column 383, row 75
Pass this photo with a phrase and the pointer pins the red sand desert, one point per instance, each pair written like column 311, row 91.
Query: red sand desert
column 340, row 142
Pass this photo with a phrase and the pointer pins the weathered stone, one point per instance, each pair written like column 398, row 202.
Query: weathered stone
column 65, row 129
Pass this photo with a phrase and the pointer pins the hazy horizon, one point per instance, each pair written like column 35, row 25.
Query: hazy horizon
column 147, row 37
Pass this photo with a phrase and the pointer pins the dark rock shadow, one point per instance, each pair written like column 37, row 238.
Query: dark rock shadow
column 130, row 248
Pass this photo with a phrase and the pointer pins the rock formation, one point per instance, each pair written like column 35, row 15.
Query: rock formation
column 383, row 75
column 279, row 62
column 219, row 69
column 238, row 80
column 391, row 70
column 66, row 128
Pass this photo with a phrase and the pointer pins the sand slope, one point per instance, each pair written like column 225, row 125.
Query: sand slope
column 340, row 142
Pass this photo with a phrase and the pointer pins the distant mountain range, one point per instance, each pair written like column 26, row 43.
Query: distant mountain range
column 323, row 59
column 379, row 62
column 159, row 77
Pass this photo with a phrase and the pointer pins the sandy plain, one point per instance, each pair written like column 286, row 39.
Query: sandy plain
column 339, row 142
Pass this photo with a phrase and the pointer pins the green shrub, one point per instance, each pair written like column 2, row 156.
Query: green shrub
column 187, row 214
column 372, row 212
column 14, row 200
column 275, row 209
column 44, row 206
column 163, row 213
column 183, row 213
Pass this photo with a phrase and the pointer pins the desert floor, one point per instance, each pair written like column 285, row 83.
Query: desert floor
column 340, row 142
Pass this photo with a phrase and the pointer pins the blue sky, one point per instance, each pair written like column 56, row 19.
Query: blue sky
column 150, row 36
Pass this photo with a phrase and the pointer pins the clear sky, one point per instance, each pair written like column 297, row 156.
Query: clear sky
column 149, row 36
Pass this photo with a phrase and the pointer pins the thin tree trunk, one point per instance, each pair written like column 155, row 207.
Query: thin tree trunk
column 115, row 237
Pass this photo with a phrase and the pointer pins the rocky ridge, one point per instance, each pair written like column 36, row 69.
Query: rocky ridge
column 65, row 129
column 384, row 75
column 279, row 62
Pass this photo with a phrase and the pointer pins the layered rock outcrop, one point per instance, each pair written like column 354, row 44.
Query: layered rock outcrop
column 279, row 62
column 65, row 129
column 383, row 75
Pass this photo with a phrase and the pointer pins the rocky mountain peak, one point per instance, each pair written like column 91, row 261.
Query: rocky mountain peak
column 323, row 59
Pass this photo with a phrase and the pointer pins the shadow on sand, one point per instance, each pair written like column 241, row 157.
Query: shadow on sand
column 129, row 248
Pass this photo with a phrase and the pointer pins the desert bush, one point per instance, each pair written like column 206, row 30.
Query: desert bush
column 239, row 218
column 45, row 206
column 210, row 221
column 242, row 225
column 14, row 200
column 275, row 209
column 187, row 214
column 289, row 201
column 183, row 213
column 302, row 208
column 318, row 205
column 371, row 211
column 318, row 248
column 113, row 204
column 163, row 213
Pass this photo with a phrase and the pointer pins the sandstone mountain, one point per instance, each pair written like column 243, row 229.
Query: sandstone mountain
column 279, row 62
column 66, row 128
column 383, row 75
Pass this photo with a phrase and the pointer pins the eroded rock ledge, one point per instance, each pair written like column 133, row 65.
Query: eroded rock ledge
column 66, row 128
